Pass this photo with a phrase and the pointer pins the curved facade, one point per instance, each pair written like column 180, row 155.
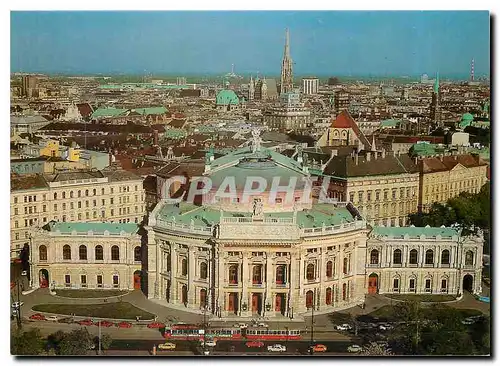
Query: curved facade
column 269, row 255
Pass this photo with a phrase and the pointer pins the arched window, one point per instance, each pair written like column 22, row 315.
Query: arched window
column 329, row 269
column 280, row 275
column 328, row 296
column 203, row 298
column 64, row 195
column 429, row 257
column 42, row 253
column 413, row 256
column 396, row 256
column 469, row 258
column 137, row 254
column 445, row 257
column 395, row 284
column 374, row 256
column 55, row 195
column 310, row 272
column 233, row 274
column 184, row 267
column 203, row 271
column 169, row 262
column 257, row 274
column 309, row 299
column 99, row 253
column 66, row 252
column 82, row 253
column 70, row 194
column 184, row 294
column 115, row 253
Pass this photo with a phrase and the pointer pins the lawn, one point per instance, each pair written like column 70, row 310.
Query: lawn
column 387, row 313
column 421, row 298
column 118, row 310
column 90, row 293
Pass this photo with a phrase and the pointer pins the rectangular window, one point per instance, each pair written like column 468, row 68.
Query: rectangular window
column 67, row 280
column 16, row 212
column 427, row 285
column 369, row 195
column 444, row 285
column 115, row 281
column 360, row 196
column 83, row 280
column 102, row 191
column 112, row 212
column 86, row 203
column 25, row 210
column 87, row 216
column 394, row 194
column 94, row 203
column 111, row 200
column 99, row 280
column 351, row 197
column 412, row 284
column 386, row 194
column 79, row 216
column 377, row 195
column 395, row 285
column 64, row 206
column 103, row 202
column 15, row 199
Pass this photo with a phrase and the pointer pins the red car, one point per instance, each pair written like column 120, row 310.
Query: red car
column 37, row 317
column 156, row 325
column 124, row 325
column 85, row 322
column 104, row 323
column 255, row 344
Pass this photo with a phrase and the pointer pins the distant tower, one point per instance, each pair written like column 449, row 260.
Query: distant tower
column 472, row 70
column 263, row 89
column 286, row 68
column 251, row 89
column 435, row 114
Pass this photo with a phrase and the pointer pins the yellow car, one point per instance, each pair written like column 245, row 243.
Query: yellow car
column 166, row 346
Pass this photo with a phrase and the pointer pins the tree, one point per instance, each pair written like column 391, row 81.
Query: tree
column 78, row 342
column 375, row 349
column 26, row 343
column 106, row 341
column 333, row 81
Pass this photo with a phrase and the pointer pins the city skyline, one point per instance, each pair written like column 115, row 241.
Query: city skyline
column 321, row 43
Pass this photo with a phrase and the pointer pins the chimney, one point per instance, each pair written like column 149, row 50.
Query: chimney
column 368, row 156
column 356, row 157
column 333, row 153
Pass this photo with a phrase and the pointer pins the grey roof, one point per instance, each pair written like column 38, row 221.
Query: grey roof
column 17, row 120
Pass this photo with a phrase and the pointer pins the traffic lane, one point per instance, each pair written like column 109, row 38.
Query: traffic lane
column 292, row 346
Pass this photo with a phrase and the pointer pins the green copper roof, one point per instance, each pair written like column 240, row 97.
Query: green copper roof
column 175, row 133
column 150, row 110
column 468, row 117
column 319, row 215
column 425, row 149
column 390, row 123
column 227, row 97
column 415, row 232
column 95, row 227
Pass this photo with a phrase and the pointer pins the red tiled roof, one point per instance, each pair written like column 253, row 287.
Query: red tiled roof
column 344, row 120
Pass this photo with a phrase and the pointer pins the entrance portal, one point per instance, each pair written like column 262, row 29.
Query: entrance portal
column 280, row 304
column 373, row 283
column 468, row 283
column 256, row 303
column 137, row 280
column 44, row 278
column 232, row 305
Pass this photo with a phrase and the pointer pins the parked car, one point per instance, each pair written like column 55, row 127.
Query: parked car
column 67, row 320
column 276, row 348
column 166, row 346
column 17, row 304
column 243, row 325
column 124, row 325
column 468, row 321
column 319, row 348
column 52, row 318
column 385, row 326
column 255, row 344
column 104, row 323
column 263, row 325
column 24, row 273
column 354, row 348
column 209, row 343
column 37, row 316
column 343, row 327
column 156, row 325
column 86, row 322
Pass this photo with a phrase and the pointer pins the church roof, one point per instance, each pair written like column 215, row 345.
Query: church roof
column 226, row 97
column 344, row 120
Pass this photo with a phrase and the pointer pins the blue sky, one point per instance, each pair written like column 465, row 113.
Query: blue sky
column 322, row 43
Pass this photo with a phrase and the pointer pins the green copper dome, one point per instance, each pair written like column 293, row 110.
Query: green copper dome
column 467, row 117
column 227, row 97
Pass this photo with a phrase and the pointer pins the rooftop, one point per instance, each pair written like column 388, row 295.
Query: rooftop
column 415, row 232
column 95, row 227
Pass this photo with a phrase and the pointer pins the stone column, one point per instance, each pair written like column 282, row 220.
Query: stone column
column 152, row 265
column 191, row 277
column 173, row 273
column 220, row 302
column 269, row 281
column 245, row 281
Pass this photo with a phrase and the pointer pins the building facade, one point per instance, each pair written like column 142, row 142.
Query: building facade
column 423, row 260
column 446, row 176
column 92, row 196
column 289, row 114
column 84, row 255
column 310, row 86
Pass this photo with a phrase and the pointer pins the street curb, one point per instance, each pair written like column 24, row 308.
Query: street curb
column 87, row 298
column 28, row 292
column 80, row 317
column 427, row 302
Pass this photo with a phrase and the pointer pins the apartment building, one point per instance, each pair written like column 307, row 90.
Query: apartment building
column 109, row 195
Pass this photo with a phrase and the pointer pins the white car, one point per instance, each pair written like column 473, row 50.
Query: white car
column 468, row 321
column 24, row 273
column 264, row 325
column 17, row 304
column 385, row 326
column 210, row 343
column 343, row 327
column 354, row 348
column 52, row 318
column 243, row 326
column 276, row 348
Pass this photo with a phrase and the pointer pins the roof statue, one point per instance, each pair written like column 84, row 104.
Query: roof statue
column 256, row 140
column 257, row 208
